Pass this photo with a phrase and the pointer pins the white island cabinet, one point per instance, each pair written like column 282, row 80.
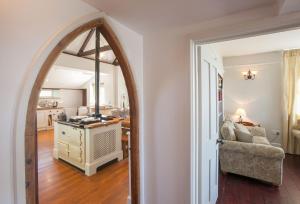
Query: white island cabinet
column 88, row 147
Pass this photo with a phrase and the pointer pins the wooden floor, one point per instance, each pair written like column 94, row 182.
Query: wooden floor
column 235, row 189
column 62, row 183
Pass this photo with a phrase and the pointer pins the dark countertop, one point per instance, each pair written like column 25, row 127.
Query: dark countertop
column 71, row 124
column 90, row 126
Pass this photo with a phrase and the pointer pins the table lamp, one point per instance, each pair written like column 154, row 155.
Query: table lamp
column 241, row 113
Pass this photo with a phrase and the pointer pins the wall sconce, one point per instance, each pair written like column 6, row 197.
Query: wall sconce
column 249, row 75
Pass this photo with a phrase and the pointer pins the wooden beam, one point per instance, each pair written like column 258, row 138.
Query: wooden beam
column 86, row 41
column 115, row 62
column 84, row 97
column 89, row 58
column 97, row 73
column 93, row 51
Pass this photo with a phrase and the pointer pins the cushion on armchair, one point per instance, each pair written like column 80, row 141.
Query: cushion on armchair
column 257, row 131
column 243, row 136
column 241, row 128
column 260, row 140
column 227, row 131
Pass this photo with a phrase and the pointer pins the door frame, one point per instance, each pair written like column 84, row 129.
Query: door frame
column 255, row 28
column 31, row 173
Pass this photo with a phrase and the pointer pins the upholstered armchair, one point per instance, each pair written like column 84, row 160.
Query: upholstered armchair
column 256, row 159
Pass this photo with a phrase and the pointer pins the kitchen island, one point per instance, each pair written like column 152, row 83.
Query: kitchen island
column 88, row 146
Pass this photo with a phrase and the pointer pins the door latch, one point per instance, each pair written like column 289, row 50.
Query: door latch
column 220, row 141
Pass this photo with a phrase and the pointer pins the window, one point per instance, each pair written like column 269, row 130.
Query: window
column 102, row 95
column 297, row 100
column 46, row 93
column 50, row 93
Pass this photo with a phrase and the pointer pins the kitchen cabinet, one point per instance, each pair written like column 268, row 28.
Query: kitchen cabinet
column 90, row 146
column 70, row 142
column 46, row 117
column 42, row 120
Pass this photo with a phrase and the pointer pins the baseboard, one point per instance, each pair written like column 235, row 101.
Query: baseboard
column 129, row 199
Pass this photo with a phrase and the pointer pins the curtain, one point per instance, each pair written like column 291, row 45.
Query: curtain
column 291, row 99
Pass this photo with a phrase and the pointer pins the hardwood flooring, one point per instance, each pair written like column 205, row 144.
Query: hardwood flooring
column 61, row 183
column 234, row 189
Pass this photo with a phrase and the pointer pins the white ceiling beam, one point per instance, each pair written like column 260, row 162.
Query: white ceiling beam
column 288, row 6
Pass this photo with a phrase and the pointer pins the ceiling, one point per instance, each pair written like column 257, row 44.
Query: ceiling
column 146, row 15
column 56, row 77
column 79, row 48
column 260, row 44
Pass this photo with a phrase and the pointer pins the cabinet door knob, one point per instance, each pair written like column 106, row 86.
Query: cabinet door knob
column 63, row 132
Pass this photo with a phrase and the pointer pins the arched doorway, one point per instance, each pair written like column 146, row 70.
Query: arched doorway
column 31, row 173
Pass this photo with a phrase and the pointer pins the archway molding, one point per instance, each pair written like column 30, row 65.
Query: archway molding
column 31, row 173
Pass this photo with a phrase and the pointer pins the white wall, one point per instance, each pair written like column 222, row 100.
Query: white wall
column 114, row 85
column 70, row 98
column 70, row 101
column 25, row 29
column 108, row 82
column 29, row 31
column 121, row 90
column 31, row 28
column 261, row 98
column 167, row 121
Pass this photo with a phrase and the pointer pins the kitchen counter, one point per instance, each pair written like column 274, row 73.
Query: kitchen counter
column 104, row 123
column 46, row 117
column 91, row 126
column 88, row 146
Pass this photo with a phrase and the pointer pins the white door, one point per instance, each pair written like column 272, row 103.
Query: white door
column 208, row 73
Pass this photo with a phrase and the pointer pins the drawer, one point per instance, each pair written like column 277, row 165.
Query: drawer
column 76, row 136
column 76, row 154
column 71, row 135
column 63, row 133
column 63, row 149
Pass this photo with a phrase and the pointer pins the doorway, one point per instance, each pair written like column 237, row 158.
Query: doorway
column 31, row 133
column 198, row 139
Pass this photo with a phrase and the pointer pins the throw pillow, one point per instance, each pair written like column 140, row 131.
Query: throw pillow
column 241, row 128
column 243, row 136
column 260, row 140
column 258, row 131
column 227, row 132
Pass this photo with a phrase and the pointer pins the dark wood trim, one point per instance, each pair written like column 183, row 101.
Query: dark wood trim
column 113, row 41
column 93, row 51
column 89, row 58
column 97, row 73
column 86, row 41
column 84, row 97
column 31, row 173
column 115, row 62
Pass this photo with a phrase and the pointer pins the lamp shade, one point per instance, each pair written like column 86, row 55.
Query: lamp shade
column 241, row 112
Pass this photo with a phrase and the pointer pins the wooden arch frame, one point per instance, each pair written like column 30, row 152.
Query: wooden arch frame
column 31, row 173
